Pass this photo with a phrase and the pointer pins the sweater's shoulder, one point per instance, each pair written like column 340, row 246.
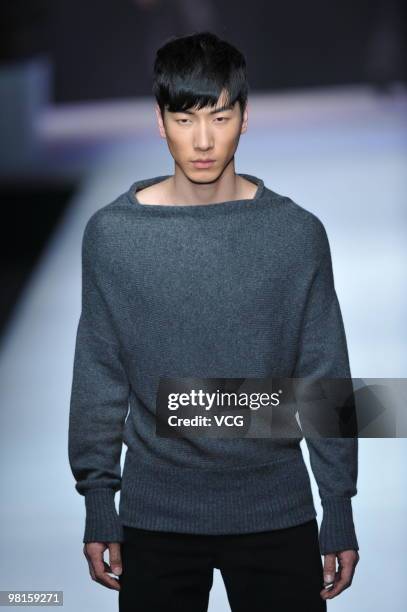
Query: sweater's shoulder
column 295, row 212
column 105, row 222
column 298, row 221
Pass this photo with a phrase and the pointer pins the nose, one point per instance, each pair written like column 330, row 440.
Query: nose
column 203, row 139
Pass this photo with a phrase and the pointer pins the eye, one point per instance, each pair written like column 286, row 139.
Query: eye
column 222, row 119
column 180, row 121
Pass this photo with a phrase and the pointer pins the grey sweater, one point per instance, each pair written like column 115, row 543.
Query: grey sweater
column 237, row 289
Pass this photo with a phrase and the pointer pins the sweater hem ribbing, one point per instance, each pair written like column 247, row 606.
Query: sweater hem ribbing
column 265, row 497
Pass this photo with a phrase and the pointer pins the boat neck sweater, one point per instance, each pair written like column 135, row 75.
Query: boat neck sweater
column 240, row 288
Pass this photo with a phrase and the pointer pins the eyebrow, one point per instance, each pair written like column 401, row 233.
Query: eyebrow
column 212, row 112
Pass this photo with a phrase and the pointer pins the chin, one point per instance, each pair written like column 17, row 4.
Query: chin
column 200, row 175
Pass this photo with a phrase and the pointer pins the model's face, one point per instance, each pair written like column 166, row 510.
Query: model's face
column 206, row 134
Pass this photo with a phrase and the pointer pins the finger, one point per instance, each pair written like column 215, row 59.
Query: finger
column 109, row 569
column 330, row 592
column 343, row 579
column 329, row 569
column 102, row 576
column 99, row 573
column 115, row 559
column 107, row 581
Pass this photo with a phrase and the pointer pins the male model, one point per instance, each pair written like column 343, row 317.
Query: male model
column 206, row 273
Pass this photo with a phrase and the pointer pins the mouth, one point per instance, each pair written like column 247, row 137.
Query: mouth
column 203, row 163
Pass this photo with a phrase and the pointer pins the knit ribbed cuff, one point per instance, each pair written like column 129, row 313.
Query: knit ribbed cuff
column 102, row 521
column 337, row 530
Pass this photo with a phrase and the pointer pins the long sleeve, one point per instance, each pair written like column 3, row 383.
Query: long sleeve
column 323, row 353
column 99, row 396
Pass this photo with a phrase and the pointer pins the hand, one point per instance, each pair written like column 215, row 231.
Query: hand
column 342, row 579
column 98, row 567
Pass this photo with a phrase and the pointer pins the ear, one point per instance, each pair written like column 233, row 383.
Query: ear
column 245, row 119
column 160, row 121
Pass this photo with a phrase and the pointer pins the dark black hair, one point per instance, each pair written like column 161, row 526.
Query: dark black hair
column 191, row 72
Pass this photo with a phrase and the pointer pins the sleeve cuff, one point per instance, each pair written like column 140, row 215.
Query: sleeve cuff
column 337, row 530
column 102, row 522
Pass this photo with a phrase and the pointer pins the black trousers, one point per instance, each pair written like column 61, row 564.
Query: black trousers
column 273, row 571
